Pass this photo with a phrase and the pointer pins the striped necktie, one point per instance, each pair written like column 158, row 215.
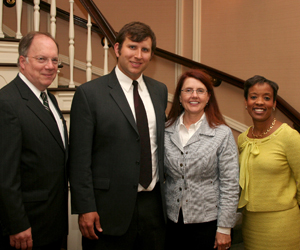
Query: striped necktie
column 45, row 101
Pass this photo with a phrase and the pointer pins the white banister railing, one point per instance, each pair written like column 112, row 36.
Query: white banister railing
column 105, row 68
column 53, row 34
column 1, row 17
column 19, row 13
column 89, row 50
column 52, row 18
column 71, row 44
column 36, row 15
column 89, row 68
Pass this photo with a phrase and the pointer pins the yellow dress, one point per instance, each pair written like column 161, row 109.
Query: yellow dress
column 270, row 182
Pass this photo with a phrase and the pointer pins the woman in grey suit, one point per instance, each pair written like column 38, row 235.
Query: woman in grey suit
column 201, row 168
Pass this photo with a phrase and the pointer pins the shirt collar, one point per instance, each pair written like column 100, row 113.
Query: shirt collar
column 33, row 88
column 196, row 125
column 126, row 82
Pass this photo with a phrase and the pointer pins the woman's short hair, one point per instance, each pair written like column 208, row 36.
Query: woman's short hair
column 260, row 80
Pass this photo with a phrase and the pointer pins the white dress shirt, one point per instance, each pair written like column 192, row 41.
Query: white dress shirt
column 126, row 84
column 184, row 133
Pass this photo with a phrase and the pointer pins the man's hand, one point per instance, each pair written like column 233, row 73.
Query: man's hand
column 222, row 241
column 22, row 240
column 87, row 222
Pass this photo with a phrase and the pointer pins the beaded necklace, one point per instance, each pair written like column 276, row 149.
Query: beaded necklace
column 264, row 133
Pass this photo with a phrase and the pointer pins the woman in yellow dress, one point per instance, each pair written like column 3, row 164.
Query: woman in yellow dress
column 269, row 173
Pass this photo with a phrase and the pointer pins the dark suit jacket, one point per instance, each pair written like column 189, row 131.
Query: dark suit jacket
column 105, row 150
column 33, row 180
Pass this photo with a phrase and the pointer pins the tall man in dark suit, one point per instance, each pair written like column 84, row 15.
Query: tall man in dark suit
column 116, row 160
column 33, row 152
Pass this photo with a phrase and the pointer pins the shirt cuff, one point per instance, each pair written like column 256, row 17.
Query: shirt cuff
column 224, row 230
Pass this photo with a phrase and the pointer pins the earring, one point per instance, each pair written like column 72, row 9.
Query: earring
column 273, row 108
column 246, row 107
column 207, row 104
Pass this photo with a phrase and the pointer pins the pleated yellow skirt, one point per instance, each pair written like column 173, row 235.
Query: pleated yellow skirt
column 271, row 230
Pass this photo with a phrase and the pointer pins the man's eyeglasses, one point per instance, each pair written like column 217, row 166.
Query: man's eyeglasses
column 189, row 91
column 44, row 60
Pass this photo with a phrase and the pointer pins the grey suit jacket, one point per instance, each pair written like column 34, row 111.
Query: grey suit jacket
column 202, row 176
column 105, row 150
column 33, row 179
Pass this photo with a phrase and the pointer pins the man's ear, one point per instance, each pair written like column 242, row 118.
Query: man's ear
column 22, row 61
column 116, row 48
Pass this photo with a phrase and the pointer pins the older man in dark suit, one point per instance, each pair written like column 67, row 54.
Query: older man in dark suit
column 33, row 152
column 116, row 150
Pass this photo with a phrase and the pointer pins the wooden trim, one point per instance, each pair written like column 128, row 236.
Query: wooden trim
column 9, row 39
column 8, row 65
column 61, row 89
column 100, row 20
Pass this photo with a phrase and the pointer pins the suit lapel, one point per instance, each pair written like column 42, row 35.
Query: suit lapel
column 204, row 129
column 38, row 109
column 174, row 137
column 120, row 98
column 54, row 101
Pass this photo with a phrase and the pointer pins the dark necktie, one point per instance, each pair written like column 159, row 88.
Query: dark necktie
column 46, row 104
column 45, row 101
column 142, row 125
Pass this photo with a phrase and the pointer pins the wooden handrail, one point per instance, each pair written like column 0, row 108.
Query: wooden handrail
column 193, row 64
column 100, row 20
column 103, row 27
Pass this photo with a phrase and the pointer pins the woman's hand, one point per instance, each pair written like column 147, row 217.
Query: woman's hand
column 222, row 241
